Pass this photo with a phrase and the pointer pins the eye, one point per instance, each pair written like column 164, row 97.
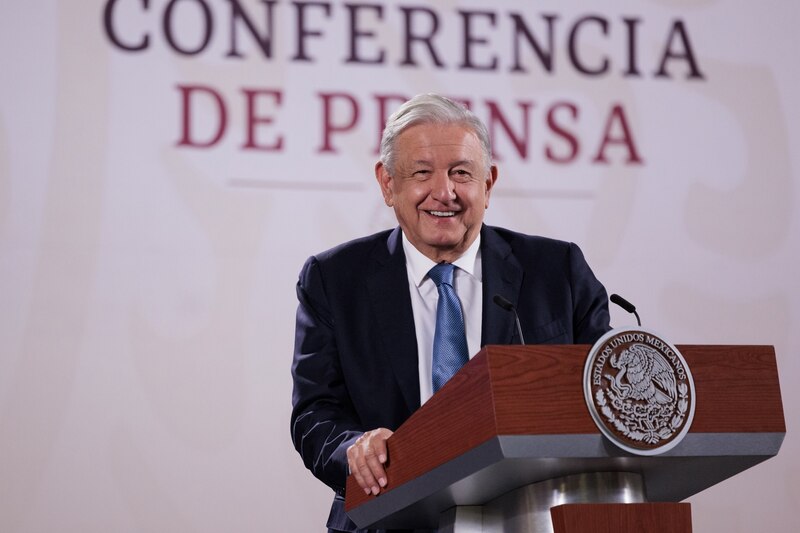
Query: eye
column 460, row 175
column 421, row 174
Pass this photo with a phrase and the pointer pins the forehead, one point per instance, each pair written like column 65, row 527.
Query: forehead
column 437, row 142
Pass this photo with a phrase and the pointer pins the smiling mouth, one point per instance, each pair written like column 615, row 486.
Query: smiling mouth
column 443, row 214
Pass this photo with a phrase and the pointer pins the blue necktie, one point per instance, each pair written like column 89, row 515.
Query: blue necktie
column 450, row 340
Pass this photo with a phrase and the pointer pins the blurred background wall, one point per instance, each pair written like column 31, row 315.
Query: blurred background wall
column 166, row 166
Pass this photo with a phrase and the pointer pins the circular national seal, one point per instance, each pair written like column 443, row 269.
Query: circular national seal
column 639, row 391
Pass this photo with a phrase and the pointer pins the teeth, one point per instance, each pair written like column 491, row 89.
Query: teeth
column 442, row 213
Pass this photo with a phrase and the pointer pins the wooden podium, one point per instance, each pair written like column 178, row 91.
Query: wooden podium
column 508, row 445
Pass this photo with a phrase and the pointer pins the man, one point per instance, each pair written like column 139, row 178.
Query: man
column 369, row 333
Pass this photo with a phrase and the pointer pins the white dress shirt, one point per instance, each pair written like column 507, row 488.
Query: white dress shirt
column 468, row 283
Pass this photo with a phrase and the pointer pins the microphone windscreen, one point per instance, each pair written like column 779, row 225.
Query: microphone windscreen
column 622, row 302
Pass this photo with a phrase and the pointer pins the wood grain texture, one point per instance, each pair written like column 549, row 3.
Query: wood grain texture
column 622, row 518
column 538, row 390
column 737, row 389
column 455, row 420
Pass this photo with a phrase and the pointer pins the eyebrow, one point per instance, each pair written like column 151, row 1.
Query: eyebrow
column 460, row 162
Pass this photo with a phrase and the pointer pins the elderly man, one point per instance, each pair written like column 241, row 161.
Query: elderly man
column 385, row 320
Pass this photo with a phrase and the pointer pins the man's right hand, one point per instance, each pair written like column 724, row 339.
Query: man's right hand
column 366, row 459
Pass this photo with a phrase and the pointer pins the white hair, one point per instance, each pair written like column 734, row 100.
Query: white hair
column 430, row 109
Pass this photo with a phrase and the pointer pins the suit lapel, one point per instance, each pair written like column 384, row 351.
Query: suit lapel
column 387, row 287
column 502, row 274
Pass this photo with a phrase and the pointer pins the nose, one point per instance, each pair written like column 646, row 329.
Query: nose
column 443, row 188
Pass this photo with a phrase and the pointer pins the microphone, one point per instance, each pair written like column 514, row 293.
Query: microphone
column 508, row 306
column 626, row 305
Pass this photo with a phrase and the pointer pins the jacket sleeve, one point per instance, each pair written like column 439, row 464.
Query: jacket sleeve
column 324, row 422
column 591, row 319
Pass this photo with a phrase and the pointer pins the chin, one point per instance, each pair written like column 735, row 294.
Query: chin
column 445, row 241
column 447, row 246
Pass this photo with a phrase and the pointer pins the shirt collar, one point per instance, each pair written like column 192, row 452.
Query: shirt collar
column 418, row 264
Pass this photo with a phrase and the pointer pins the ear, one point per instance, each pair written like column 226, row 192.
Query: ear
column 491, row 178
column 385, row 183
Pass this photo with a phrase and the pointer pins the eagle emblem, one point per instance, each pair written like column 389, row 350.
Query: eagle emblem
column 643, row 374
column 639, row 391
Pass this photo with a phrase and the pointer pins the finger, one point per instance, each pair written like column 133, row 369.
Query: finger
column 355, row 470
column 375, row 466
column 380, row 446
column 370, row 483
column 358, row 467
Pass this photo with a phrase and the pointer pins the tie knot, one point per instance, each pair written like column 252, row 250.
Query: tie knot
column 442, row 273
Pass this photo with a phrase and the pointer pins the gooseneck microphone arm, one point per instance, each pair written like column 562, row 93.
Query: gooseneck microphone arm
column 626, row 305
column 508, row 306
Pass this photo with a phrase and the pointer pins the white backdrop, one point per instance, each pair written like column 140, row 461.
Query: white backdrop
column 147, row 309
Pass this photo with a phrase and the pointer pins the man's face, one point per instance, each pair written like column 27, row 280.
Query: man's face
column 440, row 188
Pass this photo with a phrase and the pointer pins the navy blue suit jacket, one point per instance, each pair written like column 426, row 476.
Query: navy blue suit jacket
column 355, row 361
